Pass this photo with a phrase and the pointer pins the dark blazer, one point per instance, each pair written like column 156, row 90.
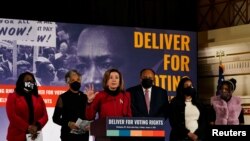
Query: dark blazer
column 177, row 120
column 159, row 104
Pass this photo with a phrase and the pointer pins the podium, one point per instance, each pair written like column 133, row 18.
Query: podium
column 128, row 129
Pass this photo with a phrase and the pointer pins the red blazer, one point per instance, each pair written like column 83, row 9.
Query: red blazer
column 107, row 106
column 18, row 115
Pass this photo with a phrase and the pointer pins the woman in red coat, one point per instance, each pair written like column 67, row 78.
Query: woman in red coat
column 112, row 101
column 26, row 109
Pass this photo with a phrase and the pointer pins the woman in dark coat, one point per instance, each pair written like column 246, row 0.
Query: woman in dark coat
column 186, row 114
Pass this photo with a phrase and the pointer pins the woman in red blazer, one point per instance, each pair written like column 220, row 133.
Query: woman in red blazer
column 26, row 109
column 112, row 101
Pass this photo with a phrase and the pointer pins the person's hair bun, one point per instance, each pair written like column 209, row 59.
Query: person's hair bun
column 234, row 81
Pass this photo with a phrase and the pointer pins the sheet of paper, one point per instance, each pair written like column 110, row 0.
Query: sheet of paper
column 39, row 137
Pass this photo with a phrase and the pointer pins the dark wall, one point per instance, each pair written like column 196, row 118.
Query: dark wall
column 164, row 14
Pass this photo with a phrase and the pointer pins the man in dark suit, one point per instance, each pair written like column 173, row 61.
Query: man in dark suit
column 148, row 100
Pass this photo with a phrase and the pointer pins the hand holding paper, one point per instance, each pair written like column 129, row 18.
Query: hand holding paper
column 34, row 137
column 83, row 126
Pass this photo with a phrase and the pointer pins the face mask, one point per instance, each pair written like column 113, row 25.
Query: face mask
column 189, row 91
column 225, row 96
column 75, row 86
column 113, row 93
column 147, row 83
column 28, row 86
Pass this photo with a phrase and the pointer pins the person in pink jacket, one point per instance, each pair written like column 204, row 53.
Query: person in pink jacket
column 226, row 108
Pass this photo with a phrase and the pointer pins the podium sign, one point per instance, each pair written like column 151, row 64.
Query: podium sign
column 135, row 127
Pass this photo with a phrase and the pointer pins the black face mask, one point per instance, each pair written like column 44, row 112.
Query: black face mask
column 113, row 93
column 147, row 83
column 225, row 96
column 28, row 86
column 75, row 86
column 189, row 91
